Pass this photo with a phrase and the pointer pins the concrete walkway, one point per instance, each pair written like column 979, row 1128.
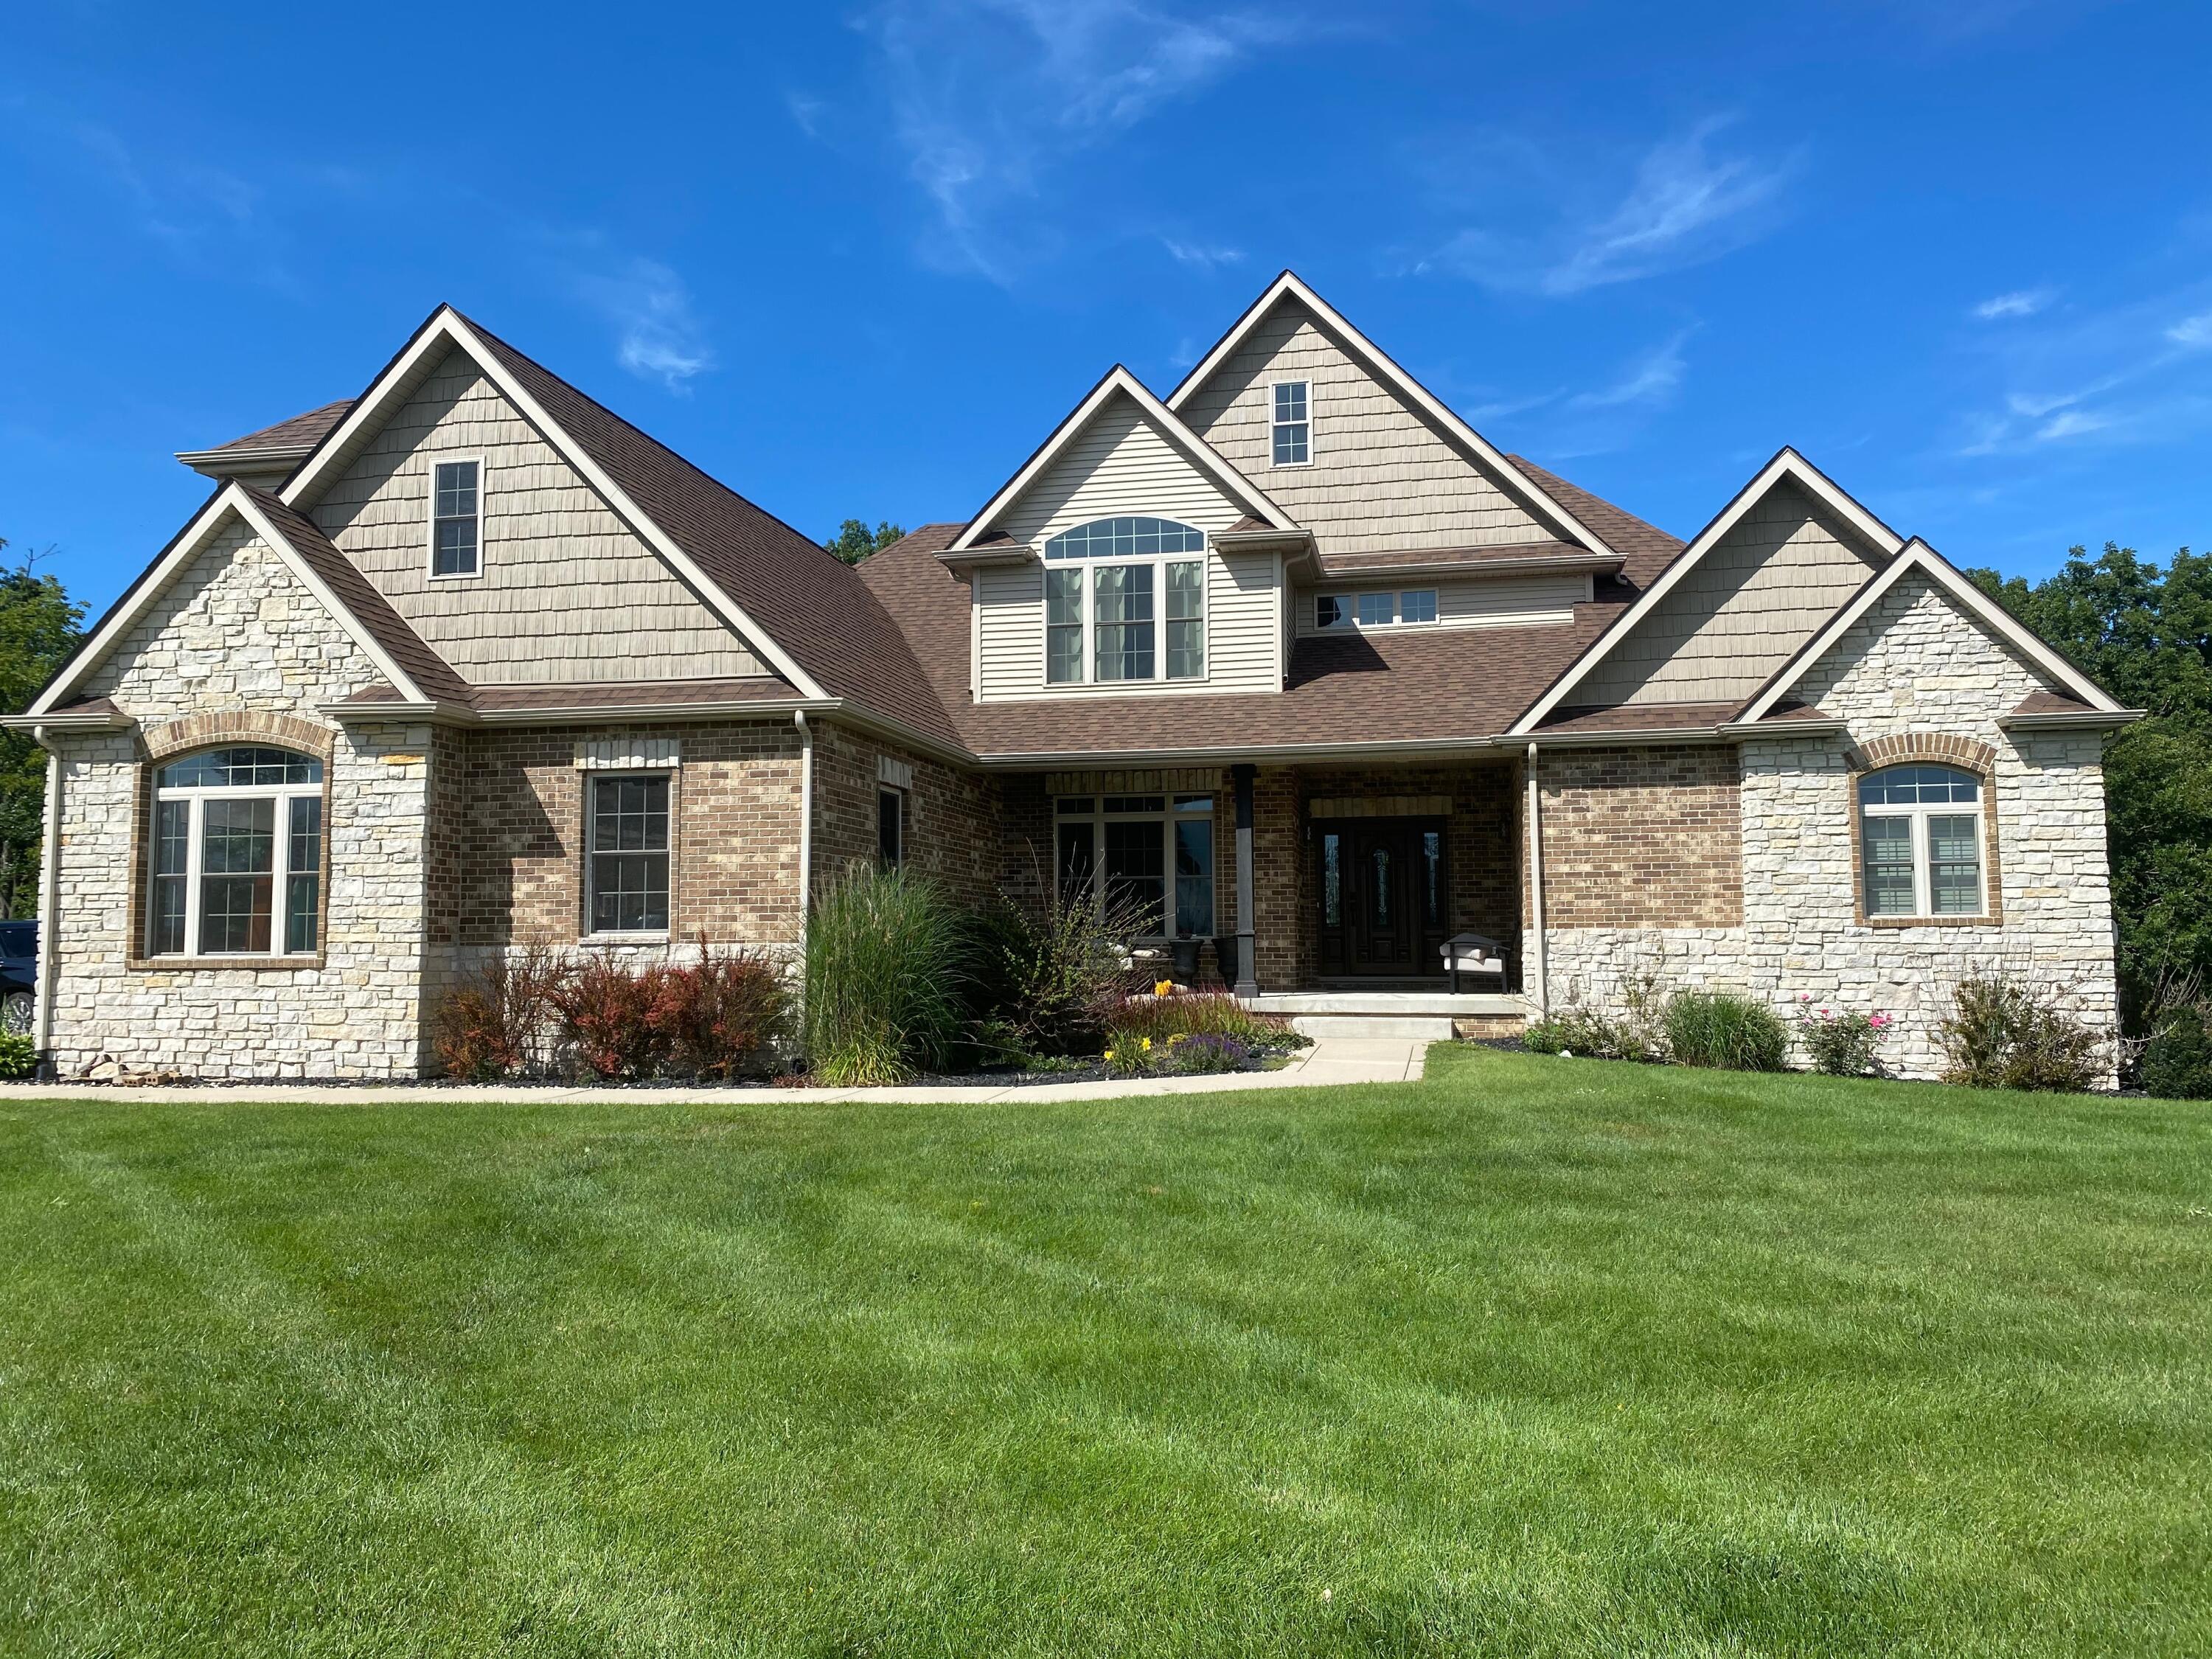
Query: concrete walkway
column 1332, row 1060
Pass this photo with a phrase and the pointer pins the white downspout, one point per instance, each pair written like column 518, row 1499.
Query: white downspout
column 1536, row 885
column 50, row 875
column 805, row 821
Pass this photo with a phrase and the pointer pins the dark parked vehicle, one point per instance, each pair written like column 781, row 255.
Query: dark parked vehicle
column 19, row 968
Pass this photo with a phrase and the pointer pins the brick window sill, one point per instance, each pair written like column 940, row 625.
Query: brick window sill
column 228, row 964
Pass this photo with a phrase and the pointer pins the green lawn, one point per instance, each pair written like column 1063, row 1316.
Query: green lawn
column 1537, row 1357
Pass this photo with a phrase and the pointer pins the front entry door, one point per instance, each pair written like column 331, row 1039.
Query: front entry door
column 1383, row 896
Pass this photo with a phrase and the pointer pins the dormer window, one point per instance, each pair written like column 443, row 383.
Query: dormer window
column 1292, row 425
column 456, row 517
column 1134, row 604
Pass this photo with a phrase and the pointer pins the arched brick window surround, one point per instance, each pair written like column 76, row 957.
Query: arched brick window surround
column 1931, row 748
column 162, row 743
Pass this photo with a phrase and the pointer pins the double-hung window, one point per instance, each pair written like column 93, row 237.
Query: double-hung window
column 627, row 867
column 1920, row 837
column 456, row 517
column 237, row 855
column 1125, row 600
column 1148, row 859
column 1291, row 423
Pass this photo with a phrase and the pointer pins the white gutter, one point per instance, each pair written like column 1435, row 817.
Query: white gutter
column 1536, row 887
column 49, row 875
column 805, row 821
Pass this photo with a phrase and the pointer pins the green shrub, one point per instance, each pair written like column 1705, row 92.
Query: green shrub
column 1636, row 1029
column 1729, row 1032
column 2176, row 1062
column 1841, row 1044
column 885, row 993
column 2004, row 1034
column 1045, row 978
column 19, row 1056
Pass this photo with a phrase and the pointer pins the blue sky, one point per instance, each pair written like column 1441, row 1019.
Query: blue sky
column 858, row 260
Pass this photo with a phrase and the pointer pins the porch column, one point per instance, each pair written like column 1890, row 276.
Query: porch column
column 1248, row 981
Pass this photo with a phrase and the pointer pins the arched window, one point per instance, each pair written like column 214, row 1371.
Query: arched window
column 1920, row 836
column 237, row 854
column 1103, row 617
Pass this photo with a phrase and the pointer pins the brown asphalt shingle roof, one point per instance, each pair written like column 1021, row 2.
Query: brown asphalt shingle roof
column 301, row 432
column 809, row 603
column 430, row 671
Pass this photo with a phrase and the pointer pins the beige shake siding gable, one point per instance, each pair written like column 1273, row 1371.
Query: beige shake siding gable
column 568, row 592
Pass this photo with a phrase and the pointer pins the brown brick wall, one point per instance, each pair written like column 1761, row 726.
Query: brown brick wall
column 1645, row 838
column 515, row 801
column 953, row 831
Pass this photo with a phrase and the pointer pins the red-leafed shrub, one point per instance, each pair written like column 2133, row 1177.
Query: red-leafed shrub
column 607, row 1011
column 498, row 1020
column 719, row 1016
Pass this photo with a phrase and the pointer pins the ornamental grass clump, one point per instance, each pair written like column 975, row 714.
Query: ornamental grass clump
column 1840, row 1043
column 1725, row 1031
column 886, row 994
column 2005, row 1034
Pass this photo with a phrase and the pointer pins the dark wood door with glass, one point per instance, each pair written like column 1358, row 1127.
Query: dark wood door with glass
column 1384, row 897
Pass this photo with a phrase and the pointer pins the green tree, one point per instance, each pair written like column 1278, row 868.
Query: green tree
column 854, row 541
column 2146, row 635
column 40, row 627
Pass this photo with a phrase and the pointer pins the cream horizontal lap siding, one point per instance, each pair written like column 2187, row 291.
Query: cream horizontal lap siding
column 1752, row 602
column 1120, row 466
column 1498, row 602
column 1381, row 477
column 566, row 591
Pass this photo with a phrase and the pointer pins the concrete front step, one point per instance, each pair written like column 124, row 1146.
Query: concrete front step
column 1408, row 1028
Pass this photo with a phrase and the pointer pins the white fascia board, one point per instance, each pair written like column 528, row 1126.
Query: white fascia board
column 231, row 499
column 1118, row 379
column 447, row 330
column 1382, row 363
column 1787, row 466
column 1918, row 557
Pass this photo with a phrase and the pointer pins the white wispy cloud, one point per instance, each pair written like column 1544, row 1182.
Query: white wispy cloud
column 1206, row 259
column 1651, row 380
column 2193, row 333
column 986, row 98
column 658, row 335
column 2023, row 302
column 1684, row 205
column 805, row 110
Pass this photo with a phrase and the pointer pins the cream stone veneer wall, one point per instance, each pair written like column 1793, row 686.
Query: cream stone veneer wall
column 239, row 635
column 1914, row 665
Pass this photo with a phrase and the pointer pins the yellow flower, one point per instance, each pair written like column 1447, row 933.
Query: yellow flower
column 1148, row 1045
column 1109, row 1054
column 1162, row 987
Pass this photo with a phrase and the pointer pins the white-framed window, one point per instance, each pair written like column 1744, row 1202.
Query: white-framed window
column 1920, row 840
column 626, row 861
column 456, row 517
column 237, row 864
column 1290, row 423
column 1409, row 607
column 1150, row 854
column 891, row 826
column 1125, row 600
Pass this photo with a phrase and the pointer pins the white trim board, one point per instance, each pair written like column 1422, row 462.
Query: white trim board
column 1787, row 466
column 189, row 544
column 1917, row 555
column 1288, row 283
column 447, row 329
column 1118, row 379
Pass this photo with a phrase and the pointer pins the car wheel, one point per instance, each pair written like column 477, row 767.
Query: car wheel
column 15, row 1011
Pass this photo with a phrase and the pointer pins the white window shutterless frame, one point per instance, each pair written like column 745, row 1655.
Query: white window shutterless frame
column 456, row 517
column 236, row 859
column 1921, row 843
column 1290, row 423
column 1147, row 856
column 1125, row 603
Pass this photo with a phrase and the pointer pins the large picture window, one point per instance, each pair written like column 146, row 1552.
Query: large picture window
column 1147, row 856
column 1145, row 599
column 629, row 860
column 1920, row 836
column 237, row 848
